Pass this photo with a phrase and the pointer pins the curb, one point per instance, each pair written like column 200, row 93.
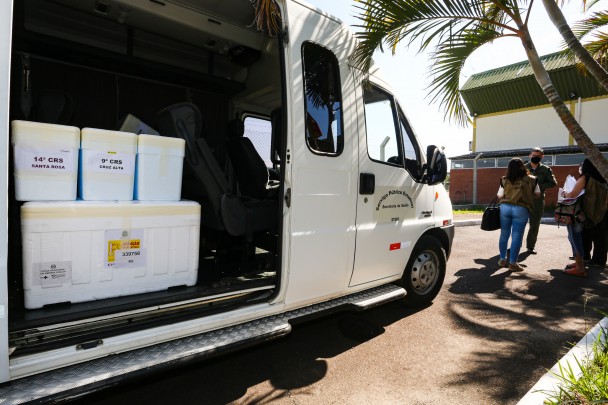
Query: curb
column 467, row 222
column 549, row 383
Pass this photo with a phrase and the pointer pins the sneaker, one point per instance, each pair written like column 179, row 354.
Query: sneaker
column 502, row 263
column 515, row 267
column 532, row 251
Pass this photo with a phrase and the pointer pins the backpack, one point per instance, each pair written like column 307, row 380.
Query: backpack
column 570, row 211
column 594, row 204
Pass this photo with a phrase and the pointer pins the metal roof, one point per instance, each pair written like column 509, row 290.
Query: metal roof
column 550, row 150
column 514, row 86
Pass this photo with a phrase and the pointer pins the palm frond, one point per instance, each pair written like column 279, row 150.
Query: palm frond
column 588, row 4
column 267, row 16
column 456, row 28
column 599, row 48
column 386, row 22
column 591, row 29
column 590, row 24
column 446, row 70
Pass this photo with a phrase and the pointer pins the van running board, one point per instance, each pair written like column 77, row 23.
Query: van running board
column 79, row 379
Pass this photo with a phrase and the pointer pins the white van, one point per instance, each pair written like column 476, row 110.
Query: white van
column 304, row 188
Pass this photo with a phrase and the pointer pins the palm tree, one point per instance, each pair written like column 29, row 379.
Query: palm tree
column 456, row 28
column 572, row 41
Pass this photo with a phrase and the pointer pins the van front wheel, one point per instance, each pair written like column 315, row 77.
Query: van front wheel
column 424, row 273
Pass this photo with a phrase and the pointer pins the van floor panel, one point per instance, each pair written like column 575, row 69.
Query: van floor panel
column 63, row 313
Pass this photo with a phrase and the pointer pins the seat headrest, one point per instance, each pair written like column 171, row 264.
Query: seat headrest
column 235, row 128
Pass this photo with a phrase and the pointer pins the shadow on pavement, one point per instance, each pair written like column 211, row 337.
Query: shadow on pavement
column 524, row 319
column 294, row 362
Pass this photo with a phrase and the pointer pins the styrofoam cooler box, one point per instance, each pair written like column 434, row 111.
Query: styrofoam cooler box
column 107, row 170
column 88, row 250
column 46, row 161
column 158, row 173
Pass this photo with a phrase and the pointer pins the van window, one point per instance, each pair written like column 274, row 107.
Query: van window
column 411, row 151
column 382, row 135
column 259, row 131
column 324, row 134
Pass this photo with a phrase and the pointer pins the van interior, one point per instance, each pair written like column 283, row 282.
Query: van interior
column 91, row 63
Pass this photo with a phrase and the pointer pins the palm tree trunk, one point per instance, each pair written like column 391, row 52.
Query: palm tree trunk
column 557, row 18
column 578, row 133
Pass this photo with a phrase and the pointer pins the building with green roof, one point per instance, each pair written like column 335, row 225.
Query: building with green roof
column 511, row 114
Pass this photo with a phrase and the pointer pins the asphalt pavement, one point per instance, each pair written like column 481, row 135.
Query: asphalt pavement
column 487, row 338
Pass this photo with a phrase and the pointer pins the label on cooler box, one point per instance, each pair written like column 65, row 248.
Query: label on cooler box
column 111, row 162
column 52, row 273
column 125, row 248
column 44, row 161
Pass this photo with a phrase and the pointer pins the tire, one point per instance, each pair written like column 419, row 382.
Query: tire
column 424, row 273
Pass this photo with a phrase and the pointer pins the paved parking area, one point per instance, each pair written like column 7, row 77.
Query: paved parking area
column 487, row 338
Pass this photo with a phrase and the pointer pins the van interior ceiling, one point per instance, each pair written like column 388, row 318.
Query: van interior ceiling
column 91, row 63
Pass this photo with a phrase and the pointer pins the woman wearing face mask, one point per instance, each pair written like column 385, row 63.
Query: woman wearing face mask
column 595, row 201
column 517, row 192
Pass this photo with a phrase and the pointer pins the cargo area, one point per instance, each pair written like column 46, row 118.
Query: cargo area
column 198, row 71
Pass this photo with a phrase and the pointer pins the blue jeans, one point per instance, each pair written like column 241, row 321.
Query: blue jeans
column 513, row 220
column 575, row 236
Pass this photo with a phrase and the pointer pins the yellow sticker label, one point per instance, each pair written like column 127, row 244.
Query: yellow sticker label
column 124, row 248
column 114, row 245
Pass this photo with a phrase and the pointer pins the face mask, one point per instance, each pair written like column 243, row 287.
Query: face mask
column 535, row 159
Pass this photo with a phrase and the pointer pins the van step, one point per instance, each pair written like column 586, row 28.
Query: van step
column 94, row 375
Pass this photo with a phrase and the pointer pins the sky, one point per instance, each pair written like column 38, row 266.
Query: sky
column 406, row 71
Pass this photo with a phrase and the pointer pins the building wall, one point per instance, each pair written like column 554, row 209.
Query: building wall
column 594, row 119
column 520, row 129
column 461, row 184
column 539, row 127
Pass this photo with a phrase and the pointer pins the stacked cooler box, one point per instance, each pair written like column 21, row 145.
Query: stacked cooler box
column 106, row 244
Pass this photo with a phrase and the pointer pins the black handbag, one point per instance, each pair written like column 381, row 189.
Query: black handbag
column 491, row 217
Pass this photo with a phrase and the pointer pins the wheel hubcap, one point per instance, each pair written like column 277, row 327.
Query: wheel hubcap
column 425, row 272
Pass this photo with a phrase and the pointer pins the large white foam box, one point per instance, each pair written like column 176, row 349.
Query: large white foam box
column 46, row 161
column 88, row 250
column 160, row 162
column 107, row 164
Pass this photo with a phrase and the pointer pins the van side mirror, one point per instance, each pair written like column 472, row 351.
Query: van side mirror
column 436, row 165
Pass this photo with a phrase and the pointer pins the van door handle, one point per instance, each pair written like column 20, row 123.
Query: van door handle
column 288, row 197
column 367, row 183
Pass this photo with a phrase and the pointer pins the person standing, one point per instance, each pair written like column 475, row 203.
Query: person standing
column 546, row 179
column 595, row 200
column 595, row 235
column 517, row 192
